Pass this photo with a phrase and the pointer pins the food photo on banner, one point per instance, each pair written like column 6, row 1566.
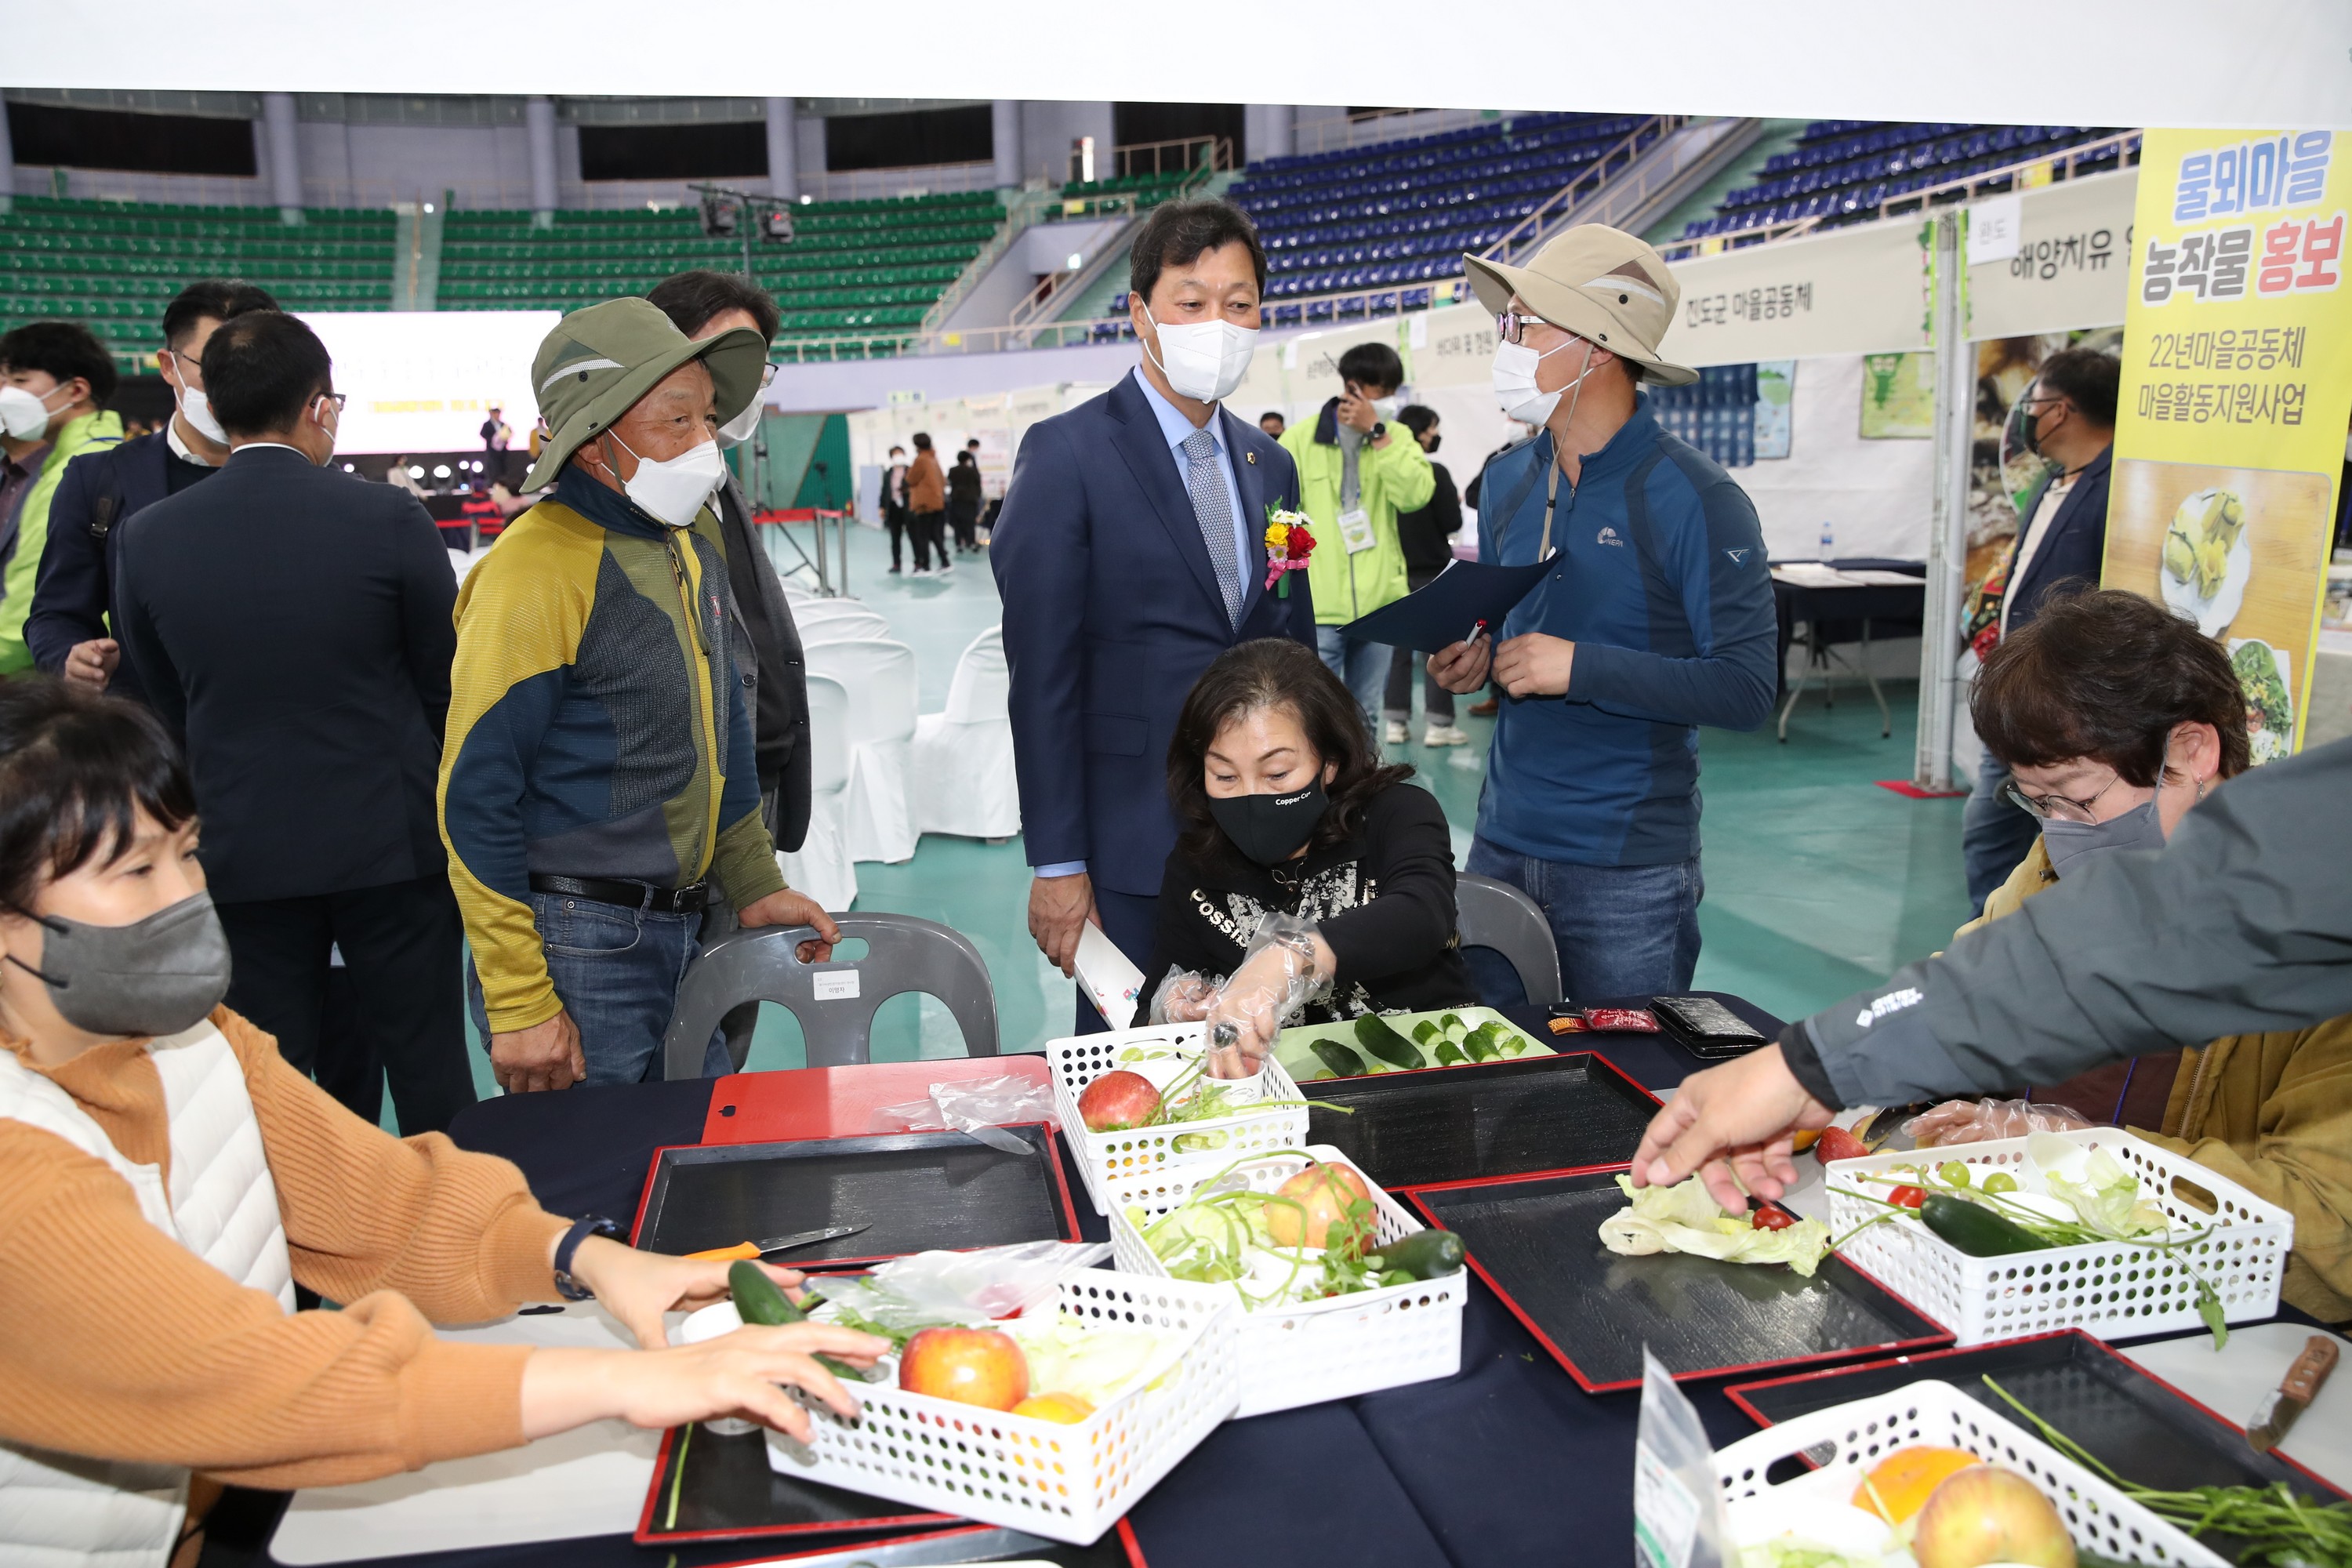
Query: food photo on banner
column 2237, row 383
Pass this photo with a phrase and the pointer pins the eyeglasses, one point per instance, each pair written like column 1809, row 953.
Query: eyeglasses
column 338, row 399
column 2059, row 807
column 1511, row 325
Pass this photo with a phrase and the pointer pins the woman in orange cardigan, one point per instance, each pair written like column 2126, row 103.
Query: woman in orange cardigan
column 165, row 1179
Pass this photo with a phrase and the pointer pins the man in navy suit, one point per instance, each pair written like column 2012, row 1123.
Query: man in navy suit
column 1130, row 554
column 2069, row 422
column 72, row 624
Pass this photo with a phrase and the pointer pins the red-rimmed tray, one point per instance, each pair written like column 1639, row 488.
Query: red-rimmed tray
column 2131, row 1420
column 1433, row 1126
column 844, row 1101
column 1535, row 1243
column 710, row 1486
column 914, row 1190
column 976, row 1543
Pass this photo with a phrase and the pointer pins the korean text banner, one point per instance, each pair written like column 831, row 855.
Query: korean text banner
column 1861, row 290
column 2237, row 386
column 2068, row 267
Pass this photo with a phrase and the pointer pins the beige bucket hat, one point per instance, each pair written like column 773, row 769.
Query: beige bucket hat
column 1601, row 283
column 598, row 362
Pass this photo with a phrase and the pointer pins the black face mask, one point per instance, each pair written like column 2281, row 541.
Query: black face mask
column 1269, row 828
column 1432, row 444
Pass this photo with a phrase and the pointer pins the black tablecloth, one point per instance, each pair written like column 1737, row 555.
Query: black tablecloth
column 1840, row 615
column 1504, row 1463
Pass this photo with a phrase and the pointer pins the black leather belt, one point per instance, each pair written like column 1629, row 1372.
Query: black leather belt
column 628, row 895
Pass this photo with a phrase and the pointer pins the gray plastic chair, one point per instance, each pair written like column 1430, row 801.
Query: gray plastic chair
column 903, row 953
column 1496, row 914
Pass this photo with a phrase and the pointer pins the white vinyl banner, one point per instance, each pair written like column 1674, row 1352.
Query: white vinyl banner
column 1852, row 292
column 423, row 381
column 2067, row 269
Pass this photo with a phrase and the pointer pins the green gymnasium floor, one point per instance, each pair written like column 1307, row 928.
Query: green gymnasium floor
column 1818, row 882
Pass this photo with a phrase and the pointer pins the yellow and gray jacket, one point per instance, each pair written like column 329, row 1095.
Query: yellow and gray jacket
column 596, row 727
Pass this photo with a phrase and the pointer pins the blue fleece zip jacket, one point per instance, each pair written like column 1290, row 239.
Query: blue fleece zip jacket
column 1663, row 586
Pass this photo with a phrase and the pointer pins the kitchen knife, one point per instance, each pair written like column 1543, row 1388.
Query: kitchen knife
column 777, row 1243
column 2297, row 1390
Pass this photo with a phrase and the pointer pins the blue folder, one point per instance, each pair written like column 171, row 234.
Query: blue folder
column 1465, row 597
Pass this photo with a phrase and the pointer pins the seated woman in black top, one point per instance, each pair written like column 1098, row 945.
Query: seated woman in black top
column 1283, row 808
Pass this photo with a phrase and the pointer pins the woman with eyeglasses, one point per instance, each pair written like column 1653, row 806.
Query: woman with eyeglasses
column 2115, row 719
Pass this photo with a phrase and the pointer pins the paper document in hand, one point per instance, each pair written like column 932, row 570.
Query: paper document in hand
column 1467, row 597
column 1113, row 983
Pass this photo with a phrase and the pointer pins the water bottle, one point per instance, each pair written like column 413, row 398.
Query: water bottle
column 1829, row 542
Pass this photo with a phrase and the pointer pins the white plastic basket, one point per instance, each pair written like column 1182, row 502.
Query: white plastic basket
column 1847, row 1440
column 1067, row 1482
column 1136, row 1167
column 2108, row 1289
column 1335, row 1349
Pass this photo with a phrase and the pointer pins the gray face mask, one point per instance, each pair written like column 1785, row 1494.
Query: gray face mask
column 155, row 976
column 2139, row 828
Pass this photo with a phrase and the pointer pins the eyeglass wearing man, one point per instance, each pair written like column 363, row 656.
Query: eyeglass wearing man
column 55, row 382
column 1657, row 617
column 2069, row 419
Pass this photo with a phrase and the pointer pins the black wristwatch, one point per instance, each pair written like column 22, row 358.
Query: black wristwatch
column 567, row 1287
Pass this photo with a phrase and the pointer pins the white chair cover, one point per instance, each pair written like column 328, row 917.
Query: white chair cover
column 821, row 867
column 862, row 626
column 879, row 677
column 960, row 777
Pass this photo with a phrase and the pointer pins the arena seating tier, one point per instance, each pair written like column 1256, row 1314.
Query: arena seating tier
column 1841, row 169
column 113, row 265
column 1404, row 212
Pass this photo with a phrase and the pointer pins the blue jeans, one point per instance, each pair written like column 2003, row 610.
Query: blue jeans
column 1362, row 666
column 1622, row 930
column 1995, row 833
column 616, row 971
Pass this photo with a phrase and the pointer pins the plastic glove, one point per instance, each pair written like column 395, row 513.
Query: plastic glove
column 1287, row 966
column 1183, row 997
column 1981, row 1120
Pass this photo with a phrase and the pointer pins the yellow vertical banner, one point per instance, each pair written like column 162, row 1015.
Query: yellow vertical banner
column 2237, row 388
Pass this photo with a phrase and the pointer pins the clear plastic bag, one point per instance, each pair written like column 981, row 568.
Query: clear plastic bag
column 928, row 1288
column 1981, row 1120
column 1678, row 1518
column 982, row 1108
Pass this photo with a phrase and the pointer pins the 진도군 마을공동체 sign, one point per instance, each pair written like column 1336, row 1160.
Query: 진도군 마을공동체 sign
column 2237, row 389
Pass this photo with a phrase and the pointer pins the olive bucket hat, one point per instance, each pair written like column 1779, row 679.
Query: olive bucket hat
column 597, row 363
column 1601, row 283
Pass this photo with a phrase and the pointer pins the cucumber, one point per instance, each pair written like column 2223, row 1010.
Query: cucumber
column 1974, row 1228
column 1339, row 1059
column 1426, row 1031
column 1449, row 1055
column 1372, row 1033
column 1424, row 1255
column 1452, row 1023
column 1480, row 1044
column 761, row 1300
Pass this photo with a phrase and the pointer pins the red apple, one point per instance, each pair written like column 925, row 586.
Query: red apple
column 1324, row 1193
column 971, row 1366
column 1117, row 1101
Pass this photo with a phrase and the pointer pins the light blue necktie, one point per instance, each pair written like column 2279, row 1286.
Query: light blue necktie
column 1205, row 478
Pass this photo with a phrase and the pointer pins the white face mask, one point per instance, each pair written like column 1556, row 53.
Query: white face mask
column 1385, row 408
column 674, row 489
column 1202, row 360
column 1515, row 381
column 25, row 416
column 740, row 429
column 197, row 410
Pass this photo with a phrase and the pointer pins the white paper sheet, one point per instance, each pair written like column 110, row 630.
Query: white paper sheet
column 1110, row 979
column 588, row 1481
column 2232, row 1382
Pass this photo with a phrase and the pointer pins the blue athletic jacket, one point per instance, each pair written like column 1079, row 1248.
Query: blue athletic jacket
column 1662, row 585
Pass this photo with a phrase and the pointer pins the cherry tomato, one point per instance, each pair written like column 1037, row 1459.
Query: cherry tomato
column 1773, row 1219
column 1837, row 1144
column 1906, row 1197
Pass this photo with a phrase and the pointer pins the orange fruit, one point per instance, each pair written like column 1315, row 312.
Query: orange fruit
column 1898, row 1486
column 1066, row 1408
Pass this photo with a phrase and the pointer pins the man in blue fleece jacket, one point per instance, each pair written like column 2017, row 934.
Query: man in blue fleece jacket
column 1657, row 618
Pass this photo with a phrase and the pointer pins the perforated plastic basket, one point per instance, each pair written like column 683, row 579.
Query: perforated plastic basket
column 1067, row 1482
column 2110, row 1290
column 1847, row 1440
column 1328, row 1349
column 1138, row 1167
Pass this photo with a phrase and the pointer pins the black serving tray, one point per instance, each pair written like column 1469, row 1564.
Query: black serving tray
column 1536, row 1242
column 1569, row 1111
column 723, row 1489
column 2134, row 1423
column 915, row 1192
column 966, row 1543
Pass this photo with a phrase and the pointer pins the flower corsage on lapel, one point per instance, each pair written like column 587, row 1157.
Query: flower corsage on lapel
column 1287, row 545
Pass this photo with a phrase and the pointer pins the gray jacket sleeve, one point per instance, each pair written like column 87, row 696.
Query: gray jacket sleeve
column 2243, row 924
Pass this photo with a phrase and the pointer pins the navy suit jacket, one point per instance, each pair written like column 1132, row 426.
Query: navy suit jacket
column 2073, row 548
column 73, row 598
column 1111, row 612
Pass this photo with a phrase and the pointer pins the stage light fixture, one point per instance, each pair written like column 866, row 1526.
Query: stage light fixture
column 416, row 470
column 440, row 470
column 719, row 218
column 776, row 224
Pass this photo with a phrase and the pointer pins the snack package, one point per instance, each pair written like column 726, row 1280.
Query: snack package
column 1569, row 1025
column 1622, row 1020
column 1981, row 1120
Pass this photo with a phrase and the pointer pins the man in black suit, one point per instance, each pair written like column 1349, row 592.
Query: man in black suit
column 69, row 628
column 1130, row 554
column 291, row 625
column 2070, row 423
